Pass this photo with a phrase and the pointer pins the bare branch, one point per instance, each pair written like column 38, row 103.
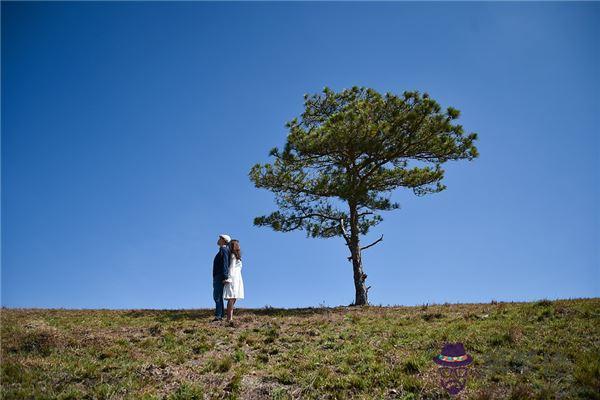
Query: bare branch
column 372, row 244
column 344, row 233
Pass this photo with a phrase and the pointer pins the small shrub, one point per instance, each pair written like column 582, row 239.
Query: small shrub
column 241, row 339
column 499, row 339
column 187, row 391
column 520, row 392
column 40, row 342
column 411, row 367
column 284, row 376
column 515, row 333
column 546, row 313
column 224, row 364
column 105, row 391
column 431, row 316
column 239, row 355
column 106, row 353
column 271, row 334
column 411, row 384
column 199, row 348
column 12, row 372
column 543, row 303
column 352, row 318
column 353, row 358
column 545, row 394
column 154, row 330
column 219, row 365
column 279, row 394
column 516, row 364
column 356, row 382
column 234, row 384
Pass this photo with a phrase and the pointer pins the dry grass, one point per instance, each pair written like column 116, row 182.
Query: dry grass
column 544, row 350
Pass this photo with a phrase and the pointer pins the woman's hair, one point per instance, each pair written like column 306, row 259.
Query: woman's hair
column 234, row 245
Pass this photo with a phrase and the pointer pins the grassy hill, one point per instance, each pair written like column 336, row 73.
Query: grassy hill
column 541, row 350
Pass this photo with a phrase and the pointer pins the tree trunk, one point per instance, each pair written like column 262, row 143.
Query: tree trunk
column 360, row 298
column 354, row 246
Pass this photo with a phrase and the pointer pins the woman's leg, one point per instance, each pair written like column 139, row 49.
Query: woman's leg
column 232, row 304
column 230, row 309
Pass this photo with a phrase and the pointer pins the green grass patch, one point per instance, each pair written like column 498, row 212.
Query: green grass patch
column 539, row 350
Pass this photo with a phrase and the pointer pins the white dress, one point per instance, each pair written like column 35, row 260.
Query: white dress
column 235, row 288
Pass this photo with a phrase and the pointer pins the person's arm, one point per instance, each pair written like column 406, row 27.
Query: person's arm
column 226, row 257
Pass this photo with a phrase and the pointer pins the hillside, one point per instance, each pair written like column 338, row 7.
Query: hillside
column 543, row 350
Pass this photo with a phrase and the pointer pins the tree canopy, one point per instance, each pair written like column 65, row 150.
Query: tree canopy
column 349, row 151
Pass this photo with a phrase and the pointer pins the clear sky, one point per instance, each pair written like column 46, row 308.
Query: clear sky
column 128, row 130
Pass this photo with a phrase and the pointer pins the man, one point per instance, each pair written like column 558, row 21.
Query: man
column 220, row 275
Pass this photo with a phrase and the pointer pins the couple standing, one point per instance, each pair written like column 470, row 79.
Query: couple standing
column 227, row 277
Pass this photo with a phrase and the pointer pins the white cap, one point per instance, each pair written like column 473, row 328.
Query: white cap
column 226, row 237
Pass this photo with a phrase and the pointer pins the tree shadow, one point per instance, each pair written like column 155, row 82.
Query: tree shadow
column 171, row 315
column 203, row 314
column 291, row 312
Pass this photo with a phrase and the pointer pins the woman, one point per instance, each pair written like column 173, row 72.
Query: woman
column 234, row 287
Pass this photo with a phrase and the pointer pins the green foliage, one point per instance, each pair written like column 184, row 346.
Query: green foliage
column 354, row 148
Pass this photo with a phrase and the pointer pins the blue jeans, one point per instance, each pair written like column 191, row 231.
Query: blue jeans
column 218, row 297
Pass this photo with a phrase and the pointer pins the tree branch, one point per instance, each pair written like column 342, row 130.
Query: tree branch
column 344, row 233
column 324, row 216
column 372, row 244
column 366, row 247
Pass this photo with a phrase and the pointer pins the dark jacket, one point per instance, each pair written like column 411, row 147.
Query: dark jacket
column 221, row 264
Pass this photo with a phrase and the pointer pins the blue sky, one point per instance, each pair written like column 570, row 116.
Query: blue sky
column 128, row 130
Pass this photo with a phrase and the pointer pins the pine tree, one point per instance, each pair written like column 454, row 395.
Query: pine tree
column 346, row 154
